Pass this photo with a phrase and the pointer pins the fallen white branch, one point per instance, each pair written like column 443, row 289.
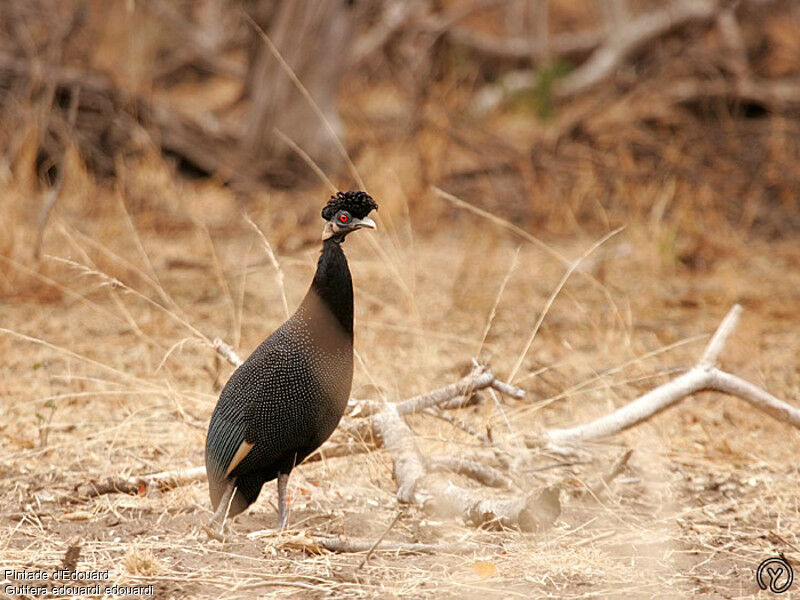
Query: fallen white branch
column 458, row 424
column 480, row 472
column 705, row 376
column 398, row 440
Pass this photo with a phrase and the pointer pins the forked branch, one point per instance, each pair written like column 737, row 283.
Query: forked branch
column 704, row 376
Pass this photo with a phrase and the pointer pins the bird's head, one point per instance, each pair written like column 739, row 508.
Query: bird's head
column 346, row 212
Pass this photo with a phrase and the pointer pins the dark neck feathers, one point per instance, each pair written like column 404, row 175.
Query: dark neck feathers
column 333, row 284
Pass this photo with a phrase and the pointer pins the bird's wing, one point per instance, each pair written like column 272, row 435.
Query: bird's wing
column 226, row 438
column 234, row 428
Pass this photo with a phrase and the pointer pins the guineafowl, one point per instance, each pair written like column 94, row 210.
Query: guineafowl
column 286, row 399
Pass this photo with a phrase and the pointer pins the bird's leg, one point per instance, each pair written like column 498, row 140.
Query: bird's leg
column 223, row 508
column 283, row 480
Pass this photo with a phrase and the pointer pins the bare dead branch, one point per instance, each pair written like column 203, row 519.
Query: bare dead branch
column 360, row 545
column 399, row 442
column 720, row 338
column 703, row 377
column 471, row 468
column 528, row 513
column 508, row 389
column 461, row 402
column 480, row 378
column 732, row 35
column 314, row 544
column 572, row 44
column 457, row 423
column 628, row 40
column 395, row 16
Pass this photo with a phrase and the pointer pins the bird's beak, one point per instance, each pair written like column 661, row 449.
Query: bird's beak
column 366, row 222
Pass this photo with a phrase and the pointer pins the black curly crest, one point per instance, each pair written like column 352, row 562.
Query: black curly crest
column 358, row 204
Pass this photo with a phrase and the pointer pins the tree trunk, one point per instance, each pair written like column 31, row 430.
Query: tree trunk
column 313, row 38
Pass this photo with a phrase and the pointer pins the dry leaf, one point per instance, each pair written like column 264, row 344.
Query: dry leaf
column 484, row 569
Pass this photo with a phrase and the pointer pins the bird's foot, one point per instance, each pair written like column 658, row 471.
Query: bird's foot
column 221, row 534
column 213, row 534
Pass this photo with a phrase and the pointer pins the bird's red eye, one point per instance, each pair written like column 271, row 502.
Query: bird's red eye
column 343, row 218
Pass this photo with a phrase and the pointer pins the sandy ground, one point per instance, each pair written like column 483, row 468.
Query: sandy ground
column 105, row 371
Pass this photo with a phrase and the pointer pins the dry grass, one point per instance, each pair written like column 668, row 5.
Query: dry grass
column 107, row 370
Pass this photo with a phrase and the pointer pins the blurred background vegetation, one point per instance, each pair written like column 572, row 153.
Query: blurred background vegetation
column 559, row 115
column 161, row 178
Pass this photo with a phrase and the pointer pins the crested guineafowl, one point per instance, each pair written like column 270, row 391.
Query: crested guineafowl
column 286, row 399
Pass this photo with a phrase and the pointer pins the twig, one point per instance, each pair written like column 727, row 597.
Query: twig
column 522, row 48
column 457, row 423
column 618, row 467
column 358, row 545
column 777, row 94
column 732, row 35
column 508, row 389
column 343, row 544
column 227, row 352
column 503, row 414
column 380, row 539
column 480, row 378
column 720, row 338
